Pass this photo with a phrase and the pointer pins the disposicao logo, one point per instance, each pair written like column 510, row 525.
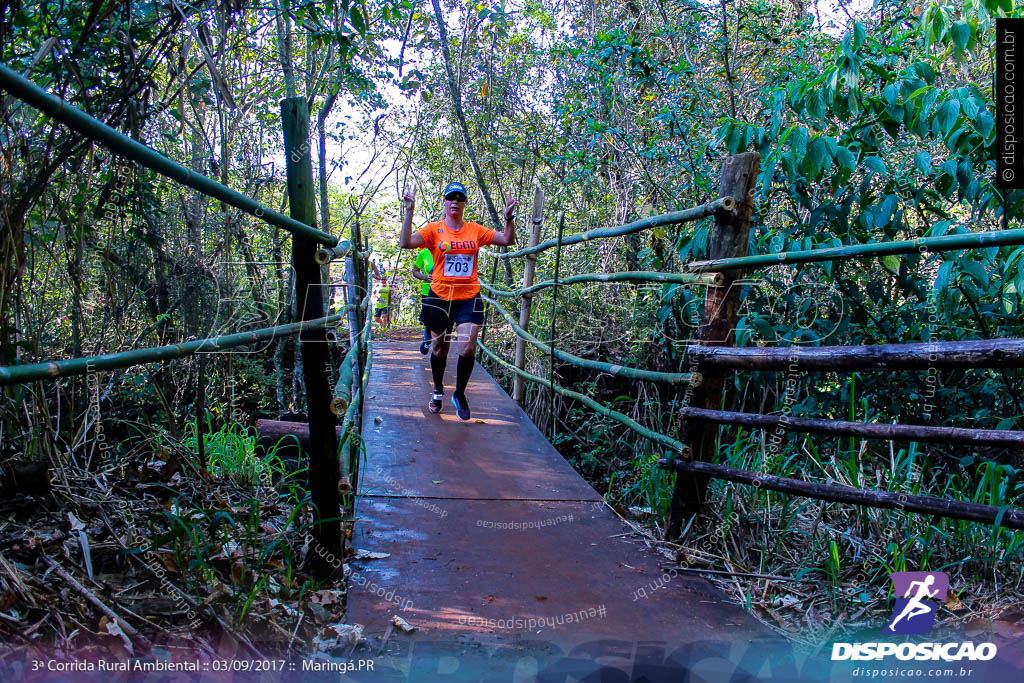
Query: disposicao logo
column 918, row 596
column 915, row 612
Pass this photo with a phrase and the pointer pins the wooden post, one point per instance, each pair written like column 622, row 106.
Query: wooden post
column 323, row 440
column 518, row 386
column 729, row 237
column 554, row 317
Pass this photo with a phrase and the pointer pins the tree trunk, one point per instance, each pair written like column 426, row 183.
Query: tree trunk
column 323, row 447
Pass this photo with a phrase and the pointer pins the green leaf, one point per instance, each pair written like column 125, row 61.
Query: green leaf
column 816, row 105
column 799, row 143
column 815, row 159
column 846, row 160
column 923, row 162
column 985, row 123
column 976, row 271
column 831, row 145
column 1006, row 423
column 885, row 211
column 764, row 329
column 960, row 32
column 356, row 17
column 971, row 106
column 859, row 34
column 947, row 115
column 875, row 164
column 942, row 278
column 891, row 262
column 891, row 93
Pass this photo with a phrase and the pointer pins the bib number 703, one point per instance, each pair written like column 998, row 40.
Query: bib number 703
column 458, row 265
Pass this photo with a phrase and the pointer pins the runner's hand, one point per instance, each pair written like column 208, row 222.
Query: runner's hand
column 409, row 198
column 510, row 206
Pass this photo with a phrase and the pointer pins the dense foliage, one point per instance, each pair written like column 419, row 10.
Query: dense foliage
column 872, row 125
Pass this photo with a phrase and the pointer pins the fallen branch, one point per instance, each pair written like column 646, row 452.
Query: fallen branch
column 128, row 629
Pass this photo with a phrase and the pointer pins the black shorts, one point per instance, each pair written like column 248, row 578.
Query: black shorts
column 442, row 316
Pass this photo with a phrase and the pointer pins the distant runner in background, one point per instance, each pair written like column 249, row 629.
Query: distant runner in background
column 382, row 306
column 454, row 299
column 422, row 269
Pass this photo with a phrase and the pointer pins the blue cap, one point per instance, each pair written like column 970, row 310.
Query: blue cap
column 455, row 189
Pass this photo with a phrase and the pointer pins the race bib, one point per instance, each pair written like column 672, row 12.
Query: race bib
column 458, row 265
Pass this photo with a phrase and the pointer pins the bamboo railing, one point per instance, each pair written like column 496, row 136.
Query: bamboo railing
column 973, row 240
column 311, row 248
column 124, row 146
column 609, row 368
column 19, row 374
column 669, row 442
column 674, row 218
column 713, row 355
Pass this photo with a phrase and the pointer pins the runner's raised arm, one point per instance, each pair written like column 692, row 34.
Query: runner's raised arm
column 408, row 239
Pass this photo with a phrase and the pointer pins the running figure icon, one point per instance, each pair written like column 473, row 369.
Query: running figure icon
column 915, row 607
column 918, row 595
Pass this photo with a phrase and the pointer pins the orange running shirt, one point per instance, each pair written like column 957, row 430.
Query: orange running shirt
column 455, row 257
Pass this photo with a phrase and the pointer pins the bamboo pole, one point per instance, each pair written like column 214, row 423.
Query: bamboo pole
column 18, row 374
column 487, row 311
column 352, row 424
column 992, row 238
column 637, row 276
column 323, row 441
column 201, row 422
column 610, row 368
column 908, row 502
column 554, row 317
column 725, row 203
column 865, row 430
column 328, row 254
column 729, row 237
column 343, row 389
column 82, row 123
column 979, row 353
column 676, row 446
column 537, row 215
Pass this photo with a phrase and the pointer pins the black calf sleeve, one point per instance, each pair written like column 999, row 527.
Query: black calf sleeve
column 437, row 366
column 462, row 372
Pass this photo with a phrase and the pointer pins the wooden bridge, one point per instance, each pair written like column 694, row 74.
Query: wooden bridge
column 495, row 544
column 492, row 540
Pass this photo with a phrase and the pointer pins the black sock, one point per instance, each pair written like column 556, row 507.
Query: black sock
column 437, row 365
column 462, row 372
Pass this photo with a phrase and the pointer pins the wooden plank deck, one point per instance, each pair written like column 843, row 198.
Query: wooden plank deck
column 496, row 544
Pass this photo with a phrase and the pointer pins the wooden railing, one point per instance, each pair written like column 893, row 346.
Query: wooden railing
column 713, row 355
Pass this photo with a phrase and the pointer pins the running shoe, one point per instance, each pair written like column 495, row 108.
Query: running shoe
column 435, row 402
column 461, row 406
column 424, row 347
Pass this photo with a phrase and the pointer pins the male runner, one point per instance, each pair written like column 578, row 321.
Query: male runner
column 454, row 298
column 422, row 269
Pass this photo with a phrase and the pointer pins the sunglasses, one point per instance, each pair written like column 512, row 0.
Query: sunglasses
column 455, row 198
